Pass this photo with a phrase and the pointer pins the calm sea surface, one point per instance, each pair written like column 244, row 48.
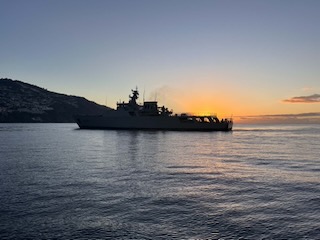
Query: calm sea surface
column 256, row 182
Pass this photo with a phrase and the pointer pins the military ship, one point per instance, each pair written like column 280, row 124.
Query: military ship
column 148, row 116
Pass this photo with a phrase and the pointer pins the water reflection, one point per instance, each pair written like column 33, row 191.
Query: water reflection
column 158, row 185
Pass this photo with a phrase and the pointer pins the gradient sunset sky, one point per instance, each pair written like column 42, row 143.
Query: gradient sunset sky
column 240, row 58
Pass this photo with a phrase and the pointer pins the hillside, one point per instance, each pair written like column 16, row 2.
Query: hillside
column 23, row 102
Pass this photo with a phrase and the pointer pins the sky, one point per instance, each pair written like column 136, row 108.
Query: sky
column 250, row 59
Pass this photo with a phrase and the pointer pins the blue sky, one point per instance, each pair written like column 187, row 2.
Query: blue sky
column 234, row 57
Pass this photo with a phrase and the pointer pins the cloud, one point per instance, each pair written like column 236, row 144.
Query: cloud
column 307, row 89
column 312, row 114
column 315, row 98
column 312, row 117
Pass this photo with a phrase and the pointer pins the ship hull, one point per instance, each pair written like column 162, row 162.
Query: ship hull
column 173, row 123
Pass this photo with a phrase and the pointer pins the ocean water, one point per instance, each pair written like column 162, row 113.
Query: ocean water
column 256, row 182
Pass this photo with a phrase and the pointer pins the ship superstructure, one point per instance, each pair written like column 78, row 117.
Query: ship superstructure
column 148, row 116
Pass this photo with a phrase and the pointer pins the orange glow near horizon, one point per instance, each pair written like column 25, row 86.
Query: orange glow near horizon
column 203, row 105
column 243, row 107
column 242, row 113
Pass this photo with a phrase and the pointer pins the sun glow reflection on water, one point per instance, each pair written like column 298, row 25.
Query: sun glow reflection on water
column 253, row 182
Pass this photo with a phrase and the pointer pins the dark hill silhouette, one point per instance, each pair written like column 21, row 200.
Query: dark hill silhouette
column 23, row 102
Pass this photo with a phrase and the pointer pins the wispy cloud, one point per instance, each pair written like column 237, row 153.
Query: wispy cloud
column 307, row 89
column 311, row 114
column 312, row 117
column 315, row 98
